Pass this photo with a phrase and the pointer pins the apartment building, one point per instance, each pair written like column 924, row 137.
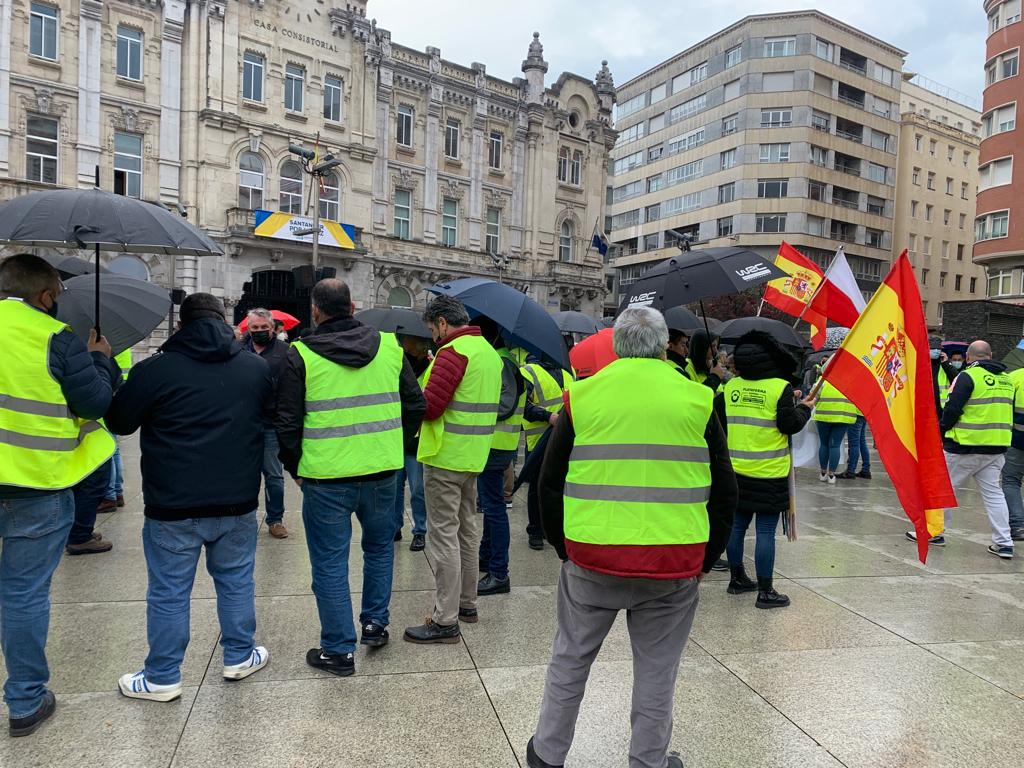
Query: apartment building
column 936, row 183
column 780, row 127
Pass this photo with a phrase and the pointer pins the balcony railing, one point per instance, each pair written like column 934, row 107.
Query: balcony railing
column 857, row 137
column 844, row 235
column 853, row 170
column 853, row 67
column 852, row 100
column 853, row 204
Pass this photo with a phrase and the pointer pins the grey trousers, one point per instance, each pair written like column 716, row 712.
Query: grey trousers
column 453, row 540
column 659, row 615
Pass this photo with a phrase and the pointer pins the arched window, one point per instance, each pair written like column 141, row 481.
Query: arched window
column 291, row 187
column 399, row 297
column 250, row 181
column 565, row 242
column 563, row 164
column 330, row 198
column 576, row 168
column 129, row 266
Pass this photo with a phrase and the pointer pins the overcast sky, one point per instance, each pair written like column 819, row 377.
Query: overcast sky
column 945, row 38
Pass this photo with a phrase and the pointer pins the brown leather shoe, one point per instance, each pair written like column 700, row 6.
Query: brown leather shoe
column 93, row 546
column 278, row 531
column 107, row 505
column 120, row 500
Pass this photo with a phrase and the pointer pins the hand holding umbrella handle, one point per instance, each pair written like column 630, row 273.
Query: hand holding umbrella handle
column 98, row 343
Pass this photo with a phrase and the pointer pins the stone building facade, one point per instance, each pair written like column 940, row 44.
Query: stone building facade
column 444, row 170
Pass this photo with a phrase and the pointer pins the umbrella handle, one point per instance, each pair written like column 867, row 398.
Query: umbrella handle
column 96, row 316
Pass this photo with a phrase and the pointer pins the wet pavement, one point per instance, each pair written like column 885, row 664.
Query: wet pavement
column 880, row 661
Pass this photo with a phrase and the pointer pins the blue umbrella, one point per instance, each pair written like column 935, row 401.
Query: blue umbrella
column 523, row 321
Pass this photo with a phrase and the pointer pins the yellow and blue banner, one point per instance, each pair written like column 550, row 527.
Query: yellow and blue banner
column 283, row 226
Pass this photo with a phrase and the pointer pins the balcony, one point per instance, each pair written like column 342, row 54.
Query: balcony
column 853, row 61
column 852, row 96
column 240, row 221
column 849, row 130
column 847, row 164
column 844, row 232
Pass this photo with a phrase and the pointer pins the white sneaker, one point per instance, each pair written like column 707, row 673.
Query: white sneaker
column 257, row 660
column 138, row 687
column 831, row 479
column 823, row 477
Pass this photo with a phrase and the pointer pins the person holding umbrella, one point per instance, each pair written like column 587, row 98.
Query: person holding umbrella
column 417, row 355
column 53, row 387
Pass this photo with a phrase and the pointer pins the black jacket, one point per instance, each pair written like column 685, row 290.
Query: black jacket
column 418, row 366
column 951, row 373
column 276, row 355
column 347, row 342
column 700, row 343
column 758, row 356
column 959, row 393
column 200, row 403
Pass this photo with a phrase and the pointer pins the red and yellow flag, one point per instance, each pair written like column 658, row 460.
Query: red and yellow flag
column 792, row 294
column 884, row 369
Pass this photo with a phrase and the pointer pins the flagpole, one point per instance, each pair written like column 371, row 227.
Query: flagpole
column 821, row 285
column 760, row 306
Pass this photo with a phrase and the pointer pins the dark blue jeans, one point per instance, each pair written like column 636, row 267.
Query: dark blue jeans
column 830, row 441
column 88, row 495
column 490, row 490
column 764, row 549
column 413, row 474
column 116, row 486
column 857, row 446
column 273, row 478
column 327, row 514
column 32, row 535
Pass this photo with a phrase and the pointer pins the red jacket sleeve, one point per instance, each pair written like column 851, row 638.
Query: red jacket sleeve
column 445, row 377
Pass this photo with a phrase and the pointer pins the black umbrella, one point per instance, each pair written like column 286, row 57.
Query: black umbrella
column 131, row 308
column 522, row 320
column 731, row 330
column 571, row 321
column 69, row 265
column 405, row 322
column 695, row 275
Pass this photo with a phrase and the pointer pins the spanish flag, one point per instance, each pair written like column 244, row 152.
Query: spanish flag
column 793, row 294
column 884, row 369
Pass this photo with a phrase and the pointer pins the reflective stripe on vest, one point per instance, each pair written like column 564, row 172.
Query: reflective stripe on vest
column 460, row 440
column 943, row 383
column 124, row 361
column 987, row 419
column 1017, row 379
column 43, row 445
column 506, row 432
column 353, row 420
column 756, row 446
column 619, row 491
column 833, row 407
column 547, row 394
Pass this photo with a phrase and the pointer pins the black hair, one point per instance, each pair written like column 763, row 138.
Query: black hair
column 451, row 309
column 333, row 298
column 25, row 276
column 200, row 306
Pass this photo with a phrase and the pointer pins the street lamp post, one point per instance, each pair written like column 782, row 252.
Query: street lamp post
column 316, row 172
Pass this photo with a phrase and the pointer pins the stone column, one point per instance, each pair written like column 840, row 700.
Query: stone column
column 430, row 148
column 90, row 42
column 382, row 107
column 518, row 212
column 171, row 75
column 5, row 87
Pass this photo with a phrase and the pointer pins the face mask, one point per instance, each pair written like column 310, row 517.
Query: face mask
column 958, row 364
column 282, row 336
column 261, row 337
column 933, row 354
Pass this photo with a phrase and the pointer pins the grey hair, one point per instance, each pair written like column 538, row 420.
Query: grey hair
column 261, row 313
column 640, row 332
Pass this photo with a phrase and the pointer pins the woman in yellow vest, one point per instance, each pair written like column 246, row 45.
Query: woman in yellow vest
column 833, row 417
column 703, row 366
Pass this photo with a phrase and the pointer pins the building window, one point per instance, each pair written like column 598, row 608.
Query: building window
column 1003, row 66
column 659, row 92
column 877, row 172
column 450, row 222
column 816, row 190
column 773, row 188
column 730, row 124
column 627, row 191
column 924, row 276
column 253, row 68
column 779, row 46
column 963, row 220
column 684, row 172
column 576, row 168
column 494, row 143
column 819, row 156
column 916, row 177
column 687, row 141
column 931, row 180
column 403, row 213
column 770, row 222
column 733, row 56
column 928, row 208
column 451, row 139
column 823, row 49
column 653, row 153
column 912, row 242
column 973, row 284
column 292, row 182
column 942, row 279
column 656, row 124
column 873, row 237
column 493, row 241
column 294, row 85
column 565, row 247
column 1000, row 283
column 563, row 163
column 330, row 198
column 128, row 164
column 774, row 153
column 652, row 242
column 41, row 149
column 333, row 89
column 623, row 164
column 630, row 106
column 651, row 213
column 927, row 246
column 992, row 225
column 963, row 190
column 688, row 108
column 999, row 120
column 399, row 296
column 918, row 142
column 995, row 173
column 958, row 282
column 816, row 226
column 42, row 31
column 129, row 53
column 820, row 121
column 883, row 75
column 913, row 209
column 251, row 181
column 728, row 159
column 727, row 192
column 932, row 146
column 876, row 205
column 949, row 186
column 725, row 226
column 654, row 183
column 403, row 126
column 776, row 118
column 946, row 216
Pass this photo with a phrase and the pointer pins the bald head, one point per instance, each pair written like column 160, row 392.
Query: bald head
column 979, row 350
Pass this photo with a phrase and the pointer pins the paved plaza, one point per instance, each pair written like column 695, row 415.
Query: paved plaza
column 880, row 662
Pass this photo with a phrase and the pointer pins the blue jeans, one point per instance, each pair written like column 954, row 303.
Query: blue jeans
column 115, row 487
column 490, row 491
column 764, row 549
column 327, row 514
column 172, row 554
column 88, row 495
column 32, row 532
column 830, row 436
column 413, row 473
column 1012, row 473
column 273, row 478
column 857, row 445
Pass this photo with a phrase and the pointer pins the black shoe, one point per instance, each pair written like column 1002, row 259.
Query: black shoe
column 374, row 635
column 847, row 475
column 536, row 542
column 419, row 543
column 720, row 565
column 767, row 597
column 864, row 474
column 469, row 615
column 674, row 761
column 25, row 726
column 342, row 665
column 490, row 585
column 740, row 582
column 429, row 632
column 1017, row 534
column 398, row 535
column 532, row 761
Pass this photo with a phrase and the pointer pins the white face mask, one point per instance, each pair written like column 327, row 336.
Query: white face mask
column 282, row 336
column 958, row 364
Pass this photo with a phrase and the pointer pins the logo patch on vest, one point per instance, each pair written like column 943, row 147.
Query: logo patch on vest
column 990, row 380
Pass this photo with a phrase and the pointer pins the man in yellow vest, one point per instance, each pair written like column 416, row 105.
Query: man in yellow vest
column 52, row 389
column 637, row 495
column 977, row 427
column 347, row 405
column 463, row 392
